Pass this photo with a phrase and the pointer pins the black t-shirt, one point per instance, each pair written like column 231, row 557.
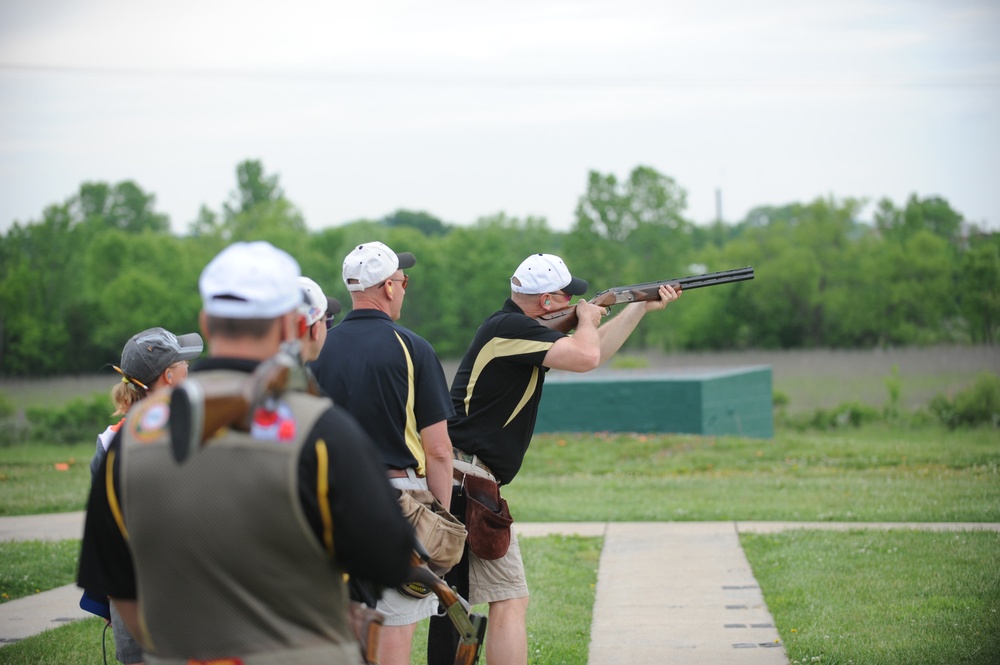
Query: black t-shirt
column 389, row 379
column 372, row 538
column 497, row 389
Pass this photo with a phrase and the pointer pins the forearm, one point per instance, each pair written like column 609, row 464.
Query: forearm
column 614, row 333
column 439, row 461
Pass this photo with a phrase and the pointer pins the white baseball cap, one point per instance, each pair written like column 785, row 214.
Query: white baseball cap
column 250, row 280
column 546, row 273
column 372, row 263
column 314, row 301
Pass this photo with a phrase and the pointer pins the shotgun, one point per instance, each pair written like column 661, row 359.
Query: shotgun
column 471, row 627
column 199, row 409
column 565, row 319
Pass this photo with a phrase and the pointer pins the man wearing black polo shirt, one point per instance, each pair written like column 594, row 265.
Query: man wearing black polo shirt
column 239, row 553
column 390, row 379
column 496, row 392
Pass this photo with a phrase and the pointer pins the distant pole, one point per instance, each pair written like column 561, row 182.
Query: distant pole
column 718, row 205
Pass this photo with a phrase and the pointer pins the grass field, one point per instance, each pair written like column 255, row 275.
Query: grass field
column 836, row 597
column 923, row 597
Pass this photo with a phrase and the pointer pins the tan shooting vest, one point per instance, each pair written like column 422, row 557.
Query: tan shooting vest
column 226, row 564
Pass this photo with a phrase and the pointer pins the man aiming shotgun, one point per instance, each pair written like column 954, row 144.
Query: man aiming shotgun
column 496, row 392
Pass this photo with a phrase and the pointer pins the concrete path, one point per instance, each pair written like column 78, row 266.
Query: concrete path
column 666, row 591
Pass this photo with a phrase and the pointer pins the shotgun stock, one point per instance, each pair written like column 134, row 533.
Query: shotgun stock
column 471, row 627
column 565, row 319
column 199, row 409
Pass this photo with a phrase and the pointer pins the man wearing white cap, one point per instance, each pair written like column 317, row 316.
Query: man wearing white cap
column 316, row 318
column 390, row 379
column 496, row 392
column 239, row 553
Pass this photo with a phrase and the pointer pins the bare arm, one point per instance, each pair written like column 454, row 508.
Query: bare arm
column 437, row 448
column 614, row 333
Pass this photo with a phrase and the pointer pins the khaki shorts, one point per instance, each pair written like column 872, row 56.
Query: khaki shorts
column 400, row 610
column 498, row 579
column 495, row 579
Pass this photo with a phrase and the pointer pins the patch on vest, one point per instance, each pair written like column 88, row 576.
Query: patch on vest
column 274, row 424
column 150, row 423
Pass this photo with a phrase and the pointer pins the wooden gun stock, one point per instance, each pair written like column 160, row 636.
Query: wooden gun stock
column 471, row 627
column 565, row 320
column 200, row 409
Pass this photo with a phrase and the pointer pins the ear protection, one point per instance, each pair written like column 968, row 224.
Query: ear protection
column 170, row 377
column 546, row 302
column 303, row 326
column 389, row 284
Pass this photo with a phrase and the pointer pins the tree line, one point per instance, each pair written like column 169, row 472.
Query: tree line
column 102, row 265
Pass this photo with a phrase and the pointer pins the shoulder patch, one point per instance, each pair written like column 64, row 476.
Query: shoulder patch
column 150, row 422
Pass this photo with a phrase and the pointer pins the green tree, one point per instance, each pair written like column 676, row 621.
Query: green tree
column 427, row 224
column 979, row 289
column 933, row 214
column 253, row 188
column 47, row 315
column 124, row 206
column 35, row 293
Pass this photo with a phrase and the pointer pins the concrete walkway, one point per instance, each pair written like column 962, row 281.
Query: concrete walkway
column 666, row 591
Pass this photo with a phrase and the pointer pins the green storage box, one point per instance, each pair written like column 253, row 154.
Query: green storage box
column 736, row 401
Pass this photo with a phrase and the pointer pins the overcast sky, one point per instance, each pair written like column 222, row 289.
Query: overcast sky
column 465, row 109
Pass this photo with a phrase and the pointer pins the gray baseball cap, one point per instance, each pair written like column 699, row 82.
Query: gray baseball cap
column 149, row 353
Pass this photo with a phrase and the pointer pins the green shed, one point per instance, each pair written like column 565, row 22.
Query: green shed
column 736, row 401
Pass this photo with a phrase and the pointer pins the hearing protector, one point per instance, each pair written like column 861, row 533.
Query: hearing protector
column 302, row 326
column 546, row 302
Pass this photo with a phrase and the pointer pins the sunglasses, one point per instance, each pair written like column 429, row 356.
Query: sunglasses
column 405, row 281
column 329, row 321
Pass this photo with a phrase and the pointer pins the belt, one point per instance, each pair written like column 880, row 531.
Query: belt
column 396, row 473
column 474, row 460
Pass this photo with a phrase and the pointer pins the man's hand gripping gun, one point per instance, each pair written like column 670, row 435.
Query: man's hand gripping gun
column 565, row 320
column 200, row 409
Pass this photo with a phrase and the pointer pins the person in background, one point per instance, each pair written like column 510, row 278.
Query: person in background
column 240, row 552
column 152, row 359
column 390, row 379
column 318, row 313
column 496, row 392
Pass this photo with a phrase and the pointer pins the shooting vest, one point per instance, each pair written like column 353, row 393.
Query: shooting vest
column 226, row 564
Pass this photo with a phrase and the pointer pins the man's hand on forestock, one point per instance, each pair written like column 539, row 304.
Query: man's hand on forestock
column 667, row 294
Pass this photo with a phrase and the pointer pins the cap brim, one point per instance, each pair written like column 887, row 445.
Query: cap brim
column 333, row 305
column 191, row 346
column 406, row 260
column 576, row 286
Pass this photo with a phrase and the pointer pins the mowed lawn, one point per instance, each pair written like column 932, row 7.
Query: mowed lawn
column 925, row 597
